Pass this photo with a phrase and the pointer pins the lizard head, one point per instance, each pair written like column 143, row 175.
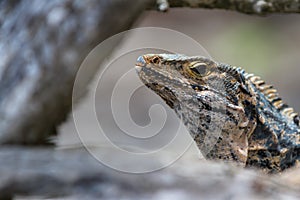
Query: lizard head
column 172, row 76
column 208, row 97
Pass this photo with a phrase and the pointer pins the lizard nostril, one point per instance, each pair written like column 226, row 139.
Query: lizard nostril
column 141, row 61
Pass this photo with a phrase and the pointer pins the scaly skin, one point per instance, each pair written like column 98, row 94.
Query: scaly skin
column 231, row 115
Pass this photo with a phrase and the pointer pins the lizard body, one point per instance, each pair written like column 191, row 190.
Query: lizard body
column 231, row 115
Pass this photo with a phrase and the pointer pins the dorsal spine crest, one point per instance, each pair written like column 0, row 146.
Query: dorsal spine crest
column 270, row 93
column 273, row 97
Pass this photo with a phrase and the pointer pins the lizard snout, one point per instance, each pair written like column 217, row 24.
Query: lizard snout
column 140, row 63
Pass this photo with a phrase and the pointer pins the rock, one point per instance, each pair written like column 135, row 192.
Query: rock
column 74, row 174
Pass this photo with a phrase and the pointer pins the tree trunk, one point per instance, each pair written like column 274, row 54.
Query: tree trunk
column 43, row 44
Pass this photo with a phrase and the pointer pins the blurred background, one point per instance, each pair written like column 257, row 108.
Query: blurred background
column 265, row 46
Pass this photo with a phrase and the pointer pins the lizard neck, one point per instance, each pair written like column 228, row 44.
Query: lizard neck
column 275, row 141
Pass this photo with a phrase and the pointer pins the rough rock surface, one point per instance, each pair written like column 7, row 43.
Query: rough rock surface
column 42, row 172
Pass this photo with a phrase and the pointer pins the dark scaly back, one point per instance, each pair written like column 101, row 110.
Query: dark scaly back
column 274, row 144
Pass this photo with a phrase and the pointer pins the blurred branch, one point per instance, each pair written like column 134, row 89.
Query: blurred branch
column 258, row 7
column 43, row 44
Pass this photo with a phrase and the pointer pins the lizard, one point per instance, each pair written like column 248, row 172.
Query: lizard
column 232, row 115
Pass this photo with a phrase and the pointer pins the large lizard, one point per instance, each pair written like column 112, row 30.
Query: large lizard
column 231, row 115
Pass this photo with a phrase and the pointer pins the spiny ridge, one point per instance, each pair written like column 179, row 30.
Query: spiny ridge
column 268, row 90
column 273, row 97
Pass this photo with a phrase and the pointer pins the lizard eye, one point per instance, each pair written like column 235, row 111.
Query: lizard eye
column 155, row 60
column 200, row 69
